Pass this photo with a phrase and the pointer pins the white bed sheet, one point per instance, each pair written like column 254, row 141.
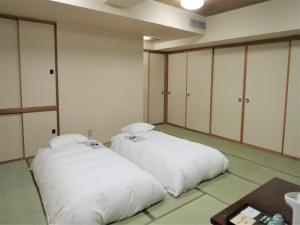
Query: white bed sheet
column 178, row 164
column 81, row 185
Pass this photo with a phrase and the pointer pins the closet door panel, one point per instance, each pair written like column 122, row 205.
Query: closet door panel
column 292, row 134
column 38, row 130
column 10, row 96
column 37, row 51
column 227, row 92
column 177, row 88
column 145, row 85
column 265, row 89
column 198, row 89
column 156, row 87
column 11, row 142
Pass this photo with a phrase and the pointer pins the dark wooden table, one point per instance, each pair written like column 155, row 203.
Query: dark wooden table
column 268, row 198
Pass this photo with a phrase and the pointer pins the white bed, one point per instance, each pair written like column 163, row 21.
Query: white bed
column 82, row 185
column 178, row 164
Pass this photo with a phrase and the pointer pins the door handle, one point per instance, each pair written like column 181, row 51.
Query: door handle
column 162, row 92
column 239, row 99
column 169, row 92
column 247, row 100
column 188, row 94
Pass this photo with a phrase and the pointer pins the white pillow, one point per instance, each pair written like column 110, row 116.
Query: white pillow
column 67, row 139
column 137, row 128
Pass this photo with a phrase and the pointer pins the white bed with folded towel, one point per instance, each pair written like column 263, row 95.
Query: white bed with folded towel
column 81, row 182
column 178, row 164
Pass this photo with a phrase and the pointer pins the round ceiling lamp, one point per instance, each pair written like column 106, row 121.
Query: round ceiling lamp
column 192, row 4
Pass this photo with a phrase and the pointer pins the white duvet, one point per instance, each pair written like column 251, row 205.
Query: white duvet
column 178, row 164
column 81, row 185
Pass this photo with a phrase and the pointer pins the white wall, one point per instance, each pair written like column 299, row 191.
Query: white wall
column 100, row 80
column 275, row 18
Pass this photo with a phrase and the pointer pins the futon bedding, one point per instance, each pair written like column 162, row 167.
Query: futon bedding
column 81, row 185
column 178, row 164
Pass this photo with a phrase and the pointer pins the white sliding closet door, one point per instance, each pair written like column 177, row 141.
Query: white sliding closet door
column 11, row 141
column 198, row 90
column 292, row 134
column 37, row 52
column 228, row 92
column 39, row 129
column 10, row 96
column 156, row 87
column 265, row 95
column 145, row 85
column 177, row 88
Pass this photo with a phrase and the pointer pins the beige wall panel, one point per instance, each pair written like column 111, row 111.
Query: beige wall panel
column 38, row 130
column 177, row 88
column 198, row 88
column 227, row 89
column 11, row 142
column 145, row 86
column 156, row 87
column 100, row 80
column 292, row 134
column 266, row 86
column 37, row 51
column 9, row 64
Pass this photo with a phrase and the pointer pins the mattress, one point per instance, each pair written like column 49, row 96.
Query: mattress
column 178, row 164
column 81, row 185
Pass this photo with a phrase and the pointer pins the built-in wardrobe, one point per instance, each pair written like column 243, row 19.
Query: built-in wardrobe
column 154, row 87
column 247, row 93
column 28, row 87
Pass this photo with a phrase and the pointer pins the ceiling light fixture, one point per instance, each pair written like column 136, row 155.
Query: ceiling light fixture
column 147, row 38
column 192, row 4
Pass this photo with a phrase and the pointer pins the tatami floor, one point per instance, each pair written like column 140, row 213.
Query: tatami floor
column 249, row 168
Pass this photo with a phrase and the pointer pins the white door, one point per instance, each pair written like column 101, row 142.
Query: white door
column 198, row 90
column 10, row 96
column 177, row 88
column 156, row 87
column 228, row 81
column 292, row 129
column 265, row 95
column 39, row 128
column 37, row 54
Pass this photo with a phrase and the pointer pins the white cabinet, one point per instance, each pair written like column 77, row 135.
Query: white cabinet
column 199, row 90
column 156, row 87
column 228, row 92
column 292, row 131
column 265, row 95
column 177, row 68
column 37, row 55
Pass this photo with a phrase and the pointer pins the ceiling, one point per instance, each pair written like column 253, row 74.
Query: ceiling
column 212, row 7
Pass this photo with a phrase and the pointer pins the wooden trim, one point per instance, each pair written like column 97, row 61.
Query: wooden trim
column 239, row 44
column 11, row 160
column 237, row 142
column 21, row 90
column 211, row 88
column 166, row 80
column 286, row 96
column 56, row 79
column 186, row 88
column 148, row 88
column 27, row 110
column 244, row 94
column 155, row 52
column 8, row 16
